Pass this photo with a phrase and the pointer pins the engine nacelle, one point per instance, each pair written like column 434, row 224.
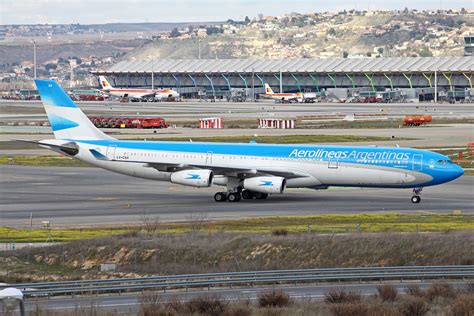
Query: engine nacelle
column 193, row 178
column 265, row 184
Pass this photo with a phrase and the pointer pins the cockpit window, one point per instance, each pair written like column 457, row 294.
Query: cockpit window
column 443, row 161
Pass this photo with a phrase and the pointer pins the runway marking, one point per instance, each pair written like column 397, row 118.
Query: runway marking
column 105, row 199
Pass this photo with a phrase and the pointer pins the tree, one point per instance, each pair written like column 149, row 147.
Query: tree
column 50, row 66
column 425, row 52
column 247, row 20
column 380, row 50
column 175, row 32
column 213, row 30
column 332, row 31
column 345, row 54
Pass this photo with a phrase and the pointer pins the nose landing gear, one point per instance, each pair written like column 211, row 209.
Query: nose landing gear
column 416, row 195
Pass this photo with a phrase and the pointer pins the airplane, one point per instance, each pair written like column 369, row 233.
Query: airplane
column 282, row 97
column 247, row 170
column 136, row 93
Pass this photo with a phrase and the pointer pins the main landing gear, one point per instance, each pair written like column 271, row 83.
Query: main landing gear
column 237, row 196
column 416, row 195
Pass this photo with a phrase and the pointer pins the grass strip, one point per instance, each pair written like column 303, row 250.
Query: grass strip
column 57, row 161
column 330, row 223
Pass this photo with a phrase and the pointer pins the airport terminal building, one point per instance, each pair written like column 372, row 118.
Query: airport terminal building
column 421, row 77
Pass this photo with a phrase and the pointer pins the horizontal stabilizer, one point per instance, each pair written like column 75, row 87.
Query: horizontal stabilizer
column 98, row 155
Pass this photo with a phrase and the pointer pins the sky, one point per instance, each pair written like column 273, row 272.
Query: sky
column 109, row 11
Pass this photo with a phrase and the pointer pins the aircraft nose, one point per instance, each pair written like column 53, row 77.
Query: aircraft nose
column 456, row 172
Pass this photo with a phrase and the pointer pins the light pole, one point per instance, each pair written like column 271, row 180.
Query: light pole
column 253, row 85
column 34, row 58
column 199, row 48
column 281, row 79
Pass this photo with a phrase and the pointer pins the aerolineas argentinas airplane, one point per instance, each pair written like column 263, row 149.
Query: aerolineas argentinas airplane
column 246, row 170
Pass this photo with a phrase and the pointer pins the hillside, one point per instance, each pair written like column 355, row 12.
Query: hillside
column 343, row 34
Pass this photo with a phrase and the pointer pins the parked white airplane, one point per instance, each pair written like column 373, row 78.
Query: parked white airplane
column 295, row 97
column 246, row 170
column 136, row 93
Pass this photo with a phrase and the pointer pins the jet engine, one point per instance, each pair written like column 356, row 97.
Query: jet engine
column 265, row 184
column 194, row 178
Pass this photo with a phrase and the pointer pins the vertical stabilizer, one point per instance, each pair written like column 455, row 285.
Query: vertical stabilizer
column 104, row 84
column 268, row 90
column 66, row 119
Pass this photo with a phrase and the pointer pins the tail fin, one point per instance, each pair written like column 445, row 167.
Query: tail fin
column 66, row 119
column 268, row 90
column 104, row 84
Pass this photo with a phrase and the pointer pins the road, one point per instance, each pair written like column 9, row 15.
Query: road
column 88, row 196
column 130, row 302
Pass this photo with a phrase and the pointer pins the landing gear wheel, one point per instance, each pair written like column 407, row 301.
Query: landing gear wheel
column 415, row 199
column 220, row 197
column 233, row 197
column 261, row 196
column 247, row 194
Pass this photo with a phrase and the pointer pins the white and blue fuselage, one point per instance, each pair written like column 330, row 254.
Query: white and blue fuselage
column 247, row 170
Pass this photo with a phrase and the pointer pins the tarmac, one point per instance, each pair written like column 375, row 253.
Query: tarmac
column 82, row 196
column 193, row 109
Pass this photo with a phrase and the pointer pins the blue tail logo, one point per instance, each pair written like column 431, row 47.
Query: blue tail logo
column 193, row 176
column 59, row 123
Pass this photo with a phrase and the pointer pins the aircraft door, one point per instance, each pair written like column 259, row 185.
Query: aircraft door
column 333, row 163
column 417, row 163
column 209, row 158
column 111, row 151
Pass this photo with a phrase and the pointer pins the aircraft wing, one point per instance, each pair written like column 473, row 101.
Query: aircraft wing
column 218, row 170
column 141, row 95
column 235, row 172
